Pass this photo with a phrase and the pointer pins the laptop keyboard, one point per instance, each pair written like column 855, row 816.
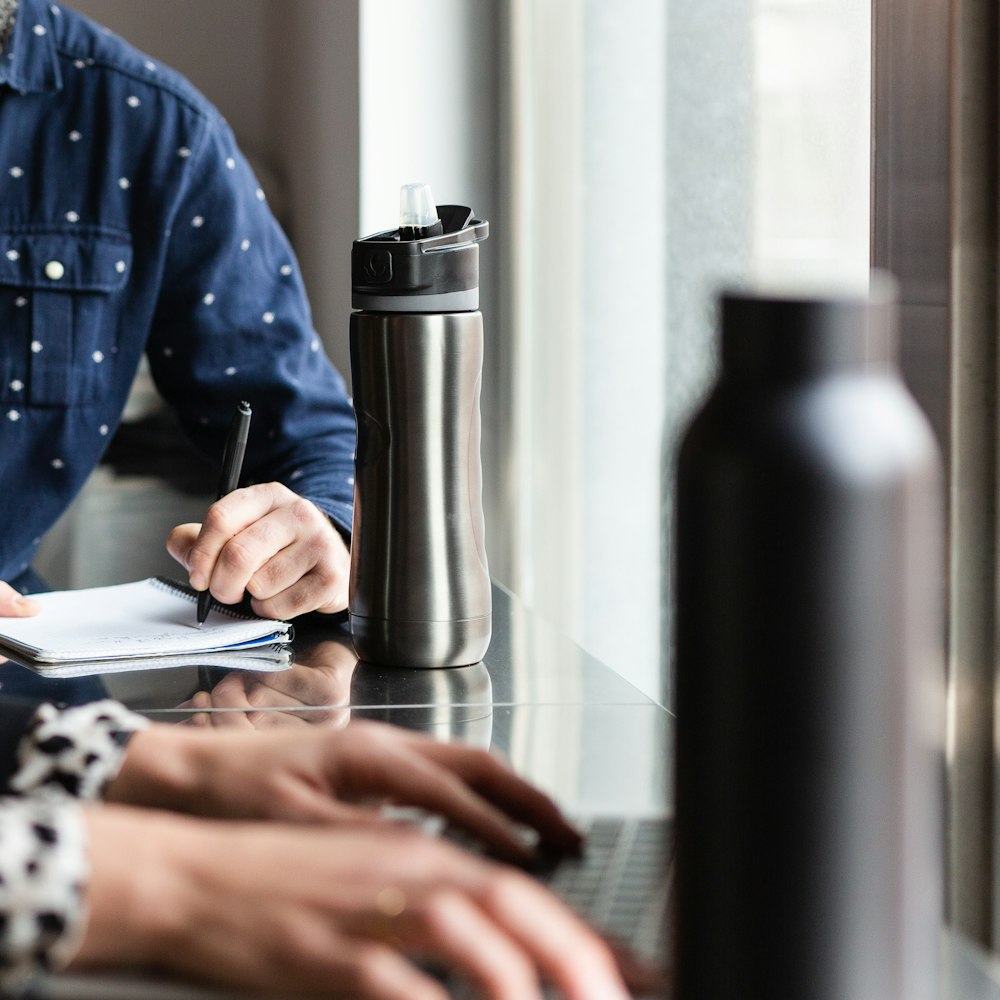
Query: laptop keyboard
column 622, row 882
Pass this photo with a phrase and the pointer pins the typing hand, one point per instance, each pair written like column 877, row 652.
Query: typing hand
column 15, row 605
column 317, row 775
column 270, row 542
column 333, row 912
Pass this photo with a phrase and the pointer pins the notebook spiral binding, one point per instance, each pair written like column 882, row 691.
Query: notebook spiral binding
column 183, row 590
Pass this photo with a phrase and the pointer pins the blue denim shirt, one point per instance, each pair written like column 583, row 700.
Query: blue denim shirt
column 131, row 223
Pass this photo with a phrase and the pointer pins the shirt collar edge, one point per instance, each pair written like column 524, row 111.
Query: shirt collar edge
column 35, row 66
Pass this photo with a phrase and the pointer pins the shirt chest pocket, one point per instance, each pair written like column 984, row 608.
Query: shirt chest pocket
column 59, row 314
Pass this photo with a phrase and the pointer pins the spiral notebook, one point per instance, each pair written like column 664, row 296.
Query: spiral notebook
column 147, row 618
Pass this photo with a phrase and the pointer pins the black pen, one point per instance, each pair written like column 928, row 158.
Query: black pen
column 232, row 467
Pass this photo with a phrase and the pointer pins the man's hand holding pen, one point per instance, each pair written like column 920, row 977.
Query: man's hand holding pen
column 271, row 543
column 262, row 540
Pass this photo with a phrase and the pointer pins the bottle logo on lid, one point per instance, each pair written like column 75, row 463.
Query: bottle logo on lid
column 377, row 268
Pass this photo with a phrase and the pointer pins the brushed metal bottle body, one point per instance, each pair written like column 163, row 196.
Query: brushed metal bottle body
column 420, row 588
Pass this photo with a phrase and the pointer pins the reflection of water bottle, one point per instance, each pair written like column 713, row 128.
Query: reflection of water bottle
column 809, row 676
column 420, row 588
column 454, row 704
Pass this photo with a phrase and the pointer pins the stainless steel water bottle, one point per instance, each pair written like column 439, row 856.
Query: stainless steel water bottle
column 809, row 668
column 420, row 588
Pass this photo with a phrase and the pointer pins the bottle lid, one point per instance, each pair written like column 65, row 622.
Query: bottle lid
column 429, row 264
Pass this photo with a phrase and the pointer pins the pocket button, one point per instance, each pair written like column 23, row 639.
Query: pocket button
column 54, row 270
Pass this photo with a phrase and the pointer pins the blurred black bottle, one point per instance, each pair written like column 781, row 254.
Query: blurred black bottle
column 809, row 675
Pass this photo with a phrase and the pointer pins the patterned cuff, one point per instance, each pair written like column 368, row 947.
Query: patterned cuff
column 76, row 751
column 43, row 869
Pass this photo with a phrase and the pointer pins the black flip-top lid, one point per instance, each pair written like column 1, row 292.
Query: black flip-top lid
column 436, row 273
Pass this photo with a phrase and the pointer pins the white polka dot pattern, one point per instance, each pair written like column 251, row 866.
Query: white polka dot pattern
column 159, row 217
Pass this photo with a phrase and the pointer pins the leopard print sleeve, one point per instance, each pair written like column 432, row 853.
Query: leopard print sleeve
column 43, row 870
column 75, row 751
column 64, row 756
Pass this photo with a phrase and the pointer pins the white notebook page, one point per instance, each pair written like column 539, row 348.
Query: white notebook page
column 145, row 618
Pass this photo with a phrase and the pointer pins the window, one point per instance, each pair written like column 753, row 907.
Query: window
column 658, row 151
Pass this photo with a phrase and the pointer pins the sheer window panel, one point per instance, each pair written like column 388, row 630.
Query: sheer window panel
column 657, row 153
column 587, row 155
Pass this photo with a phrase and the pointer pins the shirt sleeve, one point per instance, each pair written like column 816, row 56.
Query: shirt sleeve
column 43, row 870
column 233, row 322
column 62, row 757
column 74, row 752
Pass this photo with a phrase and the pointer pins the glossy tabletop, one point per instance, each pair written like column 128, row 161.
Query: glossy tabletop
column 564, row 719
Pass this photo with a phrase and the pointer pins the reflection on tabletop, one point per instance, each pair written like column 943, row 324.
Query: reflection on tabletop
column 528, row 662
column 327, row 686
column 314, row 690
column 450, row 703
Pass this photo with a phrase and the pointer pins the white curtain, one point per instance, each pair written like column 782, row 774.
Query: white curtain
column 657, row 151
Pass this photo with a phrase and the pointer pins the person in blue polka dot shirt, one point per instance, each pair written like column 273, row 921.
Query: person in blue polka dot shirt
column 131, row 224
